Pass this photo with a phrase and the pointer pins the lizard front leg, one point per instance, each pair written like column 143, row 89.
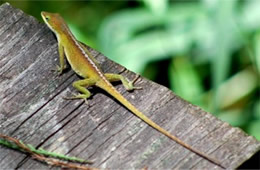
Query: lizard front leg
column 81, row 86
column 62, row 65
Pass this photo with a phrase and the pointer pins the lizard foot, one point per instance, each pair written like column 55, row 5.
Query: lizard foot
column 77, row 96
column 131, row 84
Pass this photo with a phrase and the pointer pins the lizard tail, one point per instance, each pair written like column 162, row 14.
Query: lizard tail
column 108, row 87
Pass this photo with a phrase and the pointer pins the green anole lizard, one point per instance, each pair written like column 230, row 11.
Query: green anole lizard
column 84, row 64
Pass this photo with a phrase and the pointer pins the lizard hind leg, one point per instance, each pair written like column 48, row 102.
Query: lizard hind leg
column 81, row 86
column 129, row 85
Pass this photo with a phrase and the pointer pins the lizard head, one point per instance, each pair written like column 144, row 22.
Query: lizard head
column 54, row 21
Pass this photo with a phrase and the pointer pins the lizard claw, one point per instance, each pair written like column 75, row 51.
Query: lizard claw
column 132, row 83
column 59, row 69
column 76, row 96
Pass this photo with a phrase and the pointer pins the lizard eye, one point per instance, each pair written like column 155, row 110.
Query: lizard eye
column 47, row 18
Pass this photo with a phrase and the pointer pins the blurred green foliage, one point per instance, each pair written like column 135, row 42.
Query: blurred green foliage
column 206, row 51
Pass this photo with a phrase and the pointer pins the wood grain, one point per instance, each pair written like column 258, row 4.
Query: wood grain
column 32, row 109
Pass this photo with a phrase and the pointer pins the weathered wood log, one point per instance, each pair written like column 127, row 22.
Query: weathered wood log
column 32, row 109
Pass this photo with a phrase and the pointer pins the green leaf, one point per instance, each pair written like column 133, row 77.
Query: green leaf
column 236, row 117
column 253, row 129
column 184, row 80
column 237, row 88
column 257, row 109
column 250, row 15
column 158, row 7
column 136, row 35
column 256, row 57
